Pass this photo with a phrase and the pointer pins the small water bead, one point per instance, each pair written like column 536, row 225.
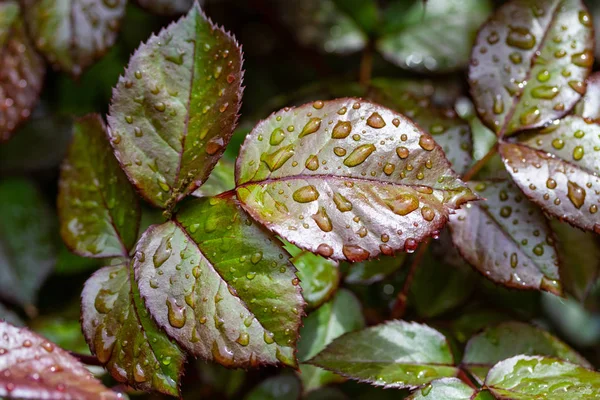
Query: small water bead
column 138, row 132
column 396, row 122
column 129, row 119
column 341, row 130
column 410, row 245
column 426, row 142
column 325, row 250
column 402, row 152
column 551, row 183
column 493, row 37
column 355, row 253
column 403, row 204
column 521, row 38
column 538, row 250
column 359, row 155
column 339, row 151
column 277, row 136
column 505, row 211
column 544, row 92
column 593, row 209
column 312, row 162
column 543, row 75
column 427, row 213
column 138, row 74
column 176, row 314
column 576, row 194
column 375, row 121
column 558, row 143
column 515, row 57
column 306, row 194
column 530, row 116
column 318, row 104
column 498, row 107
column 311, row 127
column 578, row 153
column 388, row 169
column 514, row 260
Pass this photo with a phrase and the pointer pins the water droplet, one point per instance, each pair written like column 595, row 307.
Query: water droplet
column 410, row 245
column 243, row 339
column 558, row 143
column 311, row 126
column 584, row 18
column 538, row 250
column 277, row 137
column 530, row 116
column 505, row 211
column 359, row 155
column 138, row 373
column 514, row 260
column 578, row 86
column 388, row 169
column 578, row 153
column 129, row 119
column 138, row 74
column 339, row 151
column 160, row 106
column 325, row 250
column 427, row 213
column 403, row 204
column 544, row 92
column 515, row 57
column 322, row 219
column 276, row 159
column 426, row 142
column 306, row 194
column 521, row 38
column 585, row 59
column 551, row 183
column 576, row 194
column 312, row 162
column 375, row 121
column 396, row 122
column 493, row 37
column 49, row 347
column 342, row 203
column 341, row 130
column 543, row 75
column 402, row 152
column 318, row 104
column 355, row 253
column 593, row 209
column 498, row 107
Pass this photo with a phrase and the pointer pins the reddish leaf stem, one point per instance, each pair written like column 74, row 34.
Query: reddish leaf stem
column 480, row 164
column 366, row 65
column 399, row 307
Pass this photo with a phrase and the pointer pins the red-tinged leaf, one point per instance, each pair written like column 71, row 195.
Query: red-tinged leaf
column 347, row 179
column 126, row 341
column 174, row 110
column 557, row 168
column 31, row 367
column 73, row 34
column 98, row 209
column 507, row 238
column 166, row 7
column 220, row 285
column 530, row 63
column 589, row 105
column 21, row 70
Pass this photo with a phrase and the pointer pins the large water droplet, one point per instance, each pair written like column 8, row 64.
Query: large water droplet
column 322, row 219
column 544, row 92
column 403, row 204
column 342, row 203
column 306, row 194
column 341, row 130
column 585, row 59
column 426, row 142
column 176, row 314
column 278, row 158
column 277, row 137
column 311, row 126
column 521, row 38
column 355, row 253
column 576, row 194
column 359, row 155
column 375, row 121
column 163, row 252
column 312, row 162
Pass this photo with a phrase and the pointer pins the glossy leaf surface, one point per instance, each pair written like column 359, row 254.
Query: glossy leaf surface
column 73, row 34
column 589, row 105
column 507, row 238
column 217, row 283
column 21, row 70
column 124, row 338
column 395, row 354
column 166, row 7
column 526, row 377
column 510, row 339
column 31, row 367
column 221, row 179
column 340, row 315
column 27, row 250
column 530, row 62
column 99, row 211
column 415, row 44
column 557, row 168
column 175, row 108
column 445, row 388
column 347, row 179
column 319, row 277
column 367, row 272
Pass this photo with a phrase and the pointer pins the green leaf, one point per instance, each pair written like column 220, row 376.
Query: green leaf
column 221, row 286
column 364, row 12
column 341, row 315
column 220, row 180
column 510, row 339
column 395, row 354
column 320, row 24
column 21, row 68
column 282, row 387
column 319, row 277
column 443, row 93
column 589, row 105
column 557, row 168
column 507, row 238
column 167, row 7
column 98, row 209
column 545, row 53
column 415, row 44
column 73, row 34
column 222, row 380
column 525, row 377
column 174, row 110
column 368, row 272
column 446, row 389
column 347, row 179
column 123, row 337
column 574, row 322
column 474, row 319
column 446, row 128
column 64, row 330
column 34, row 368
column 27, row 251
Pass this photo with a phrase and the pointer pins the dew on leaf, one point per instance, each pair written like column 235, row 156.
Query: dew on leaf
column 311, row 126
column 375, row 121
column 359, row 155
column 306, row 194
column 341, row 130
column 576, row 194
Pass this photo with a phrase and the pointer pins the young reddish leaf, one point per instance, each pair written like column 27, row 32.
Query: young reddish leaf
column 445, row 388
column 347, row 180
column 27, row 247
column 526, row 377
column 73, row 34
column 166, row 7
column 530, row 63
column 589, row 105
column 33, row 368
column 221, row 179
column 416, row 45
column 396, row 354
column 507, row 238
column 220, row 285
column 126, row 341
column 510, row 339
column 174, row 111
column 21, row 70
column 557, row 168
column 368, row 272
column 340, row 315
column 98, row 209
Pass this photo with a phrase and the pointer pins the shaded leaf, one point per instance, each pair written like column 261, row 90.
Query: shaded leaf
column 33, row 368
column 167, row 7
column 507, row 238
column 21, row 70
column 368, row 272
column 525, row 377
column 175, row 108
column 282, row 387
column 572, row 320
column 68, row 263
column 557, row 168
column 415, row 44
column 220, row 180
column 221, row 379
column 395, row 354
column 589, row 105
column 309, row 173
column 510, row 339
column 326, row 393
column 319, row 277
column 364, row 12
column 445, row 388
column 443, row 93
column 98, row 209
column 340, row 315
column 10, row 316
column 473, row 320
column 530, row 63
column 27, row 250
column 73, row 34
column 220, row 285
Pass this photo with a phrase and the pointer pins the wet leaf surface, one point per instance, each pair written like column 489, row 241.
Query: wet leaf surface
column 22, row 70
column 526, row 377
column 396, row 354
column 415, row 45
column 530, row 62
column 31, row 367
column 347, row 179
column 507, row 239
column 175, row 108
column 557, row 168
column 221, row 286
column 510, row 339
column 221, row 179
column 445, row 388
column 27, row 250
column 73, row 34
column 589, row 105
column 99, row 211
column 167, row 7
column 340, row 315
